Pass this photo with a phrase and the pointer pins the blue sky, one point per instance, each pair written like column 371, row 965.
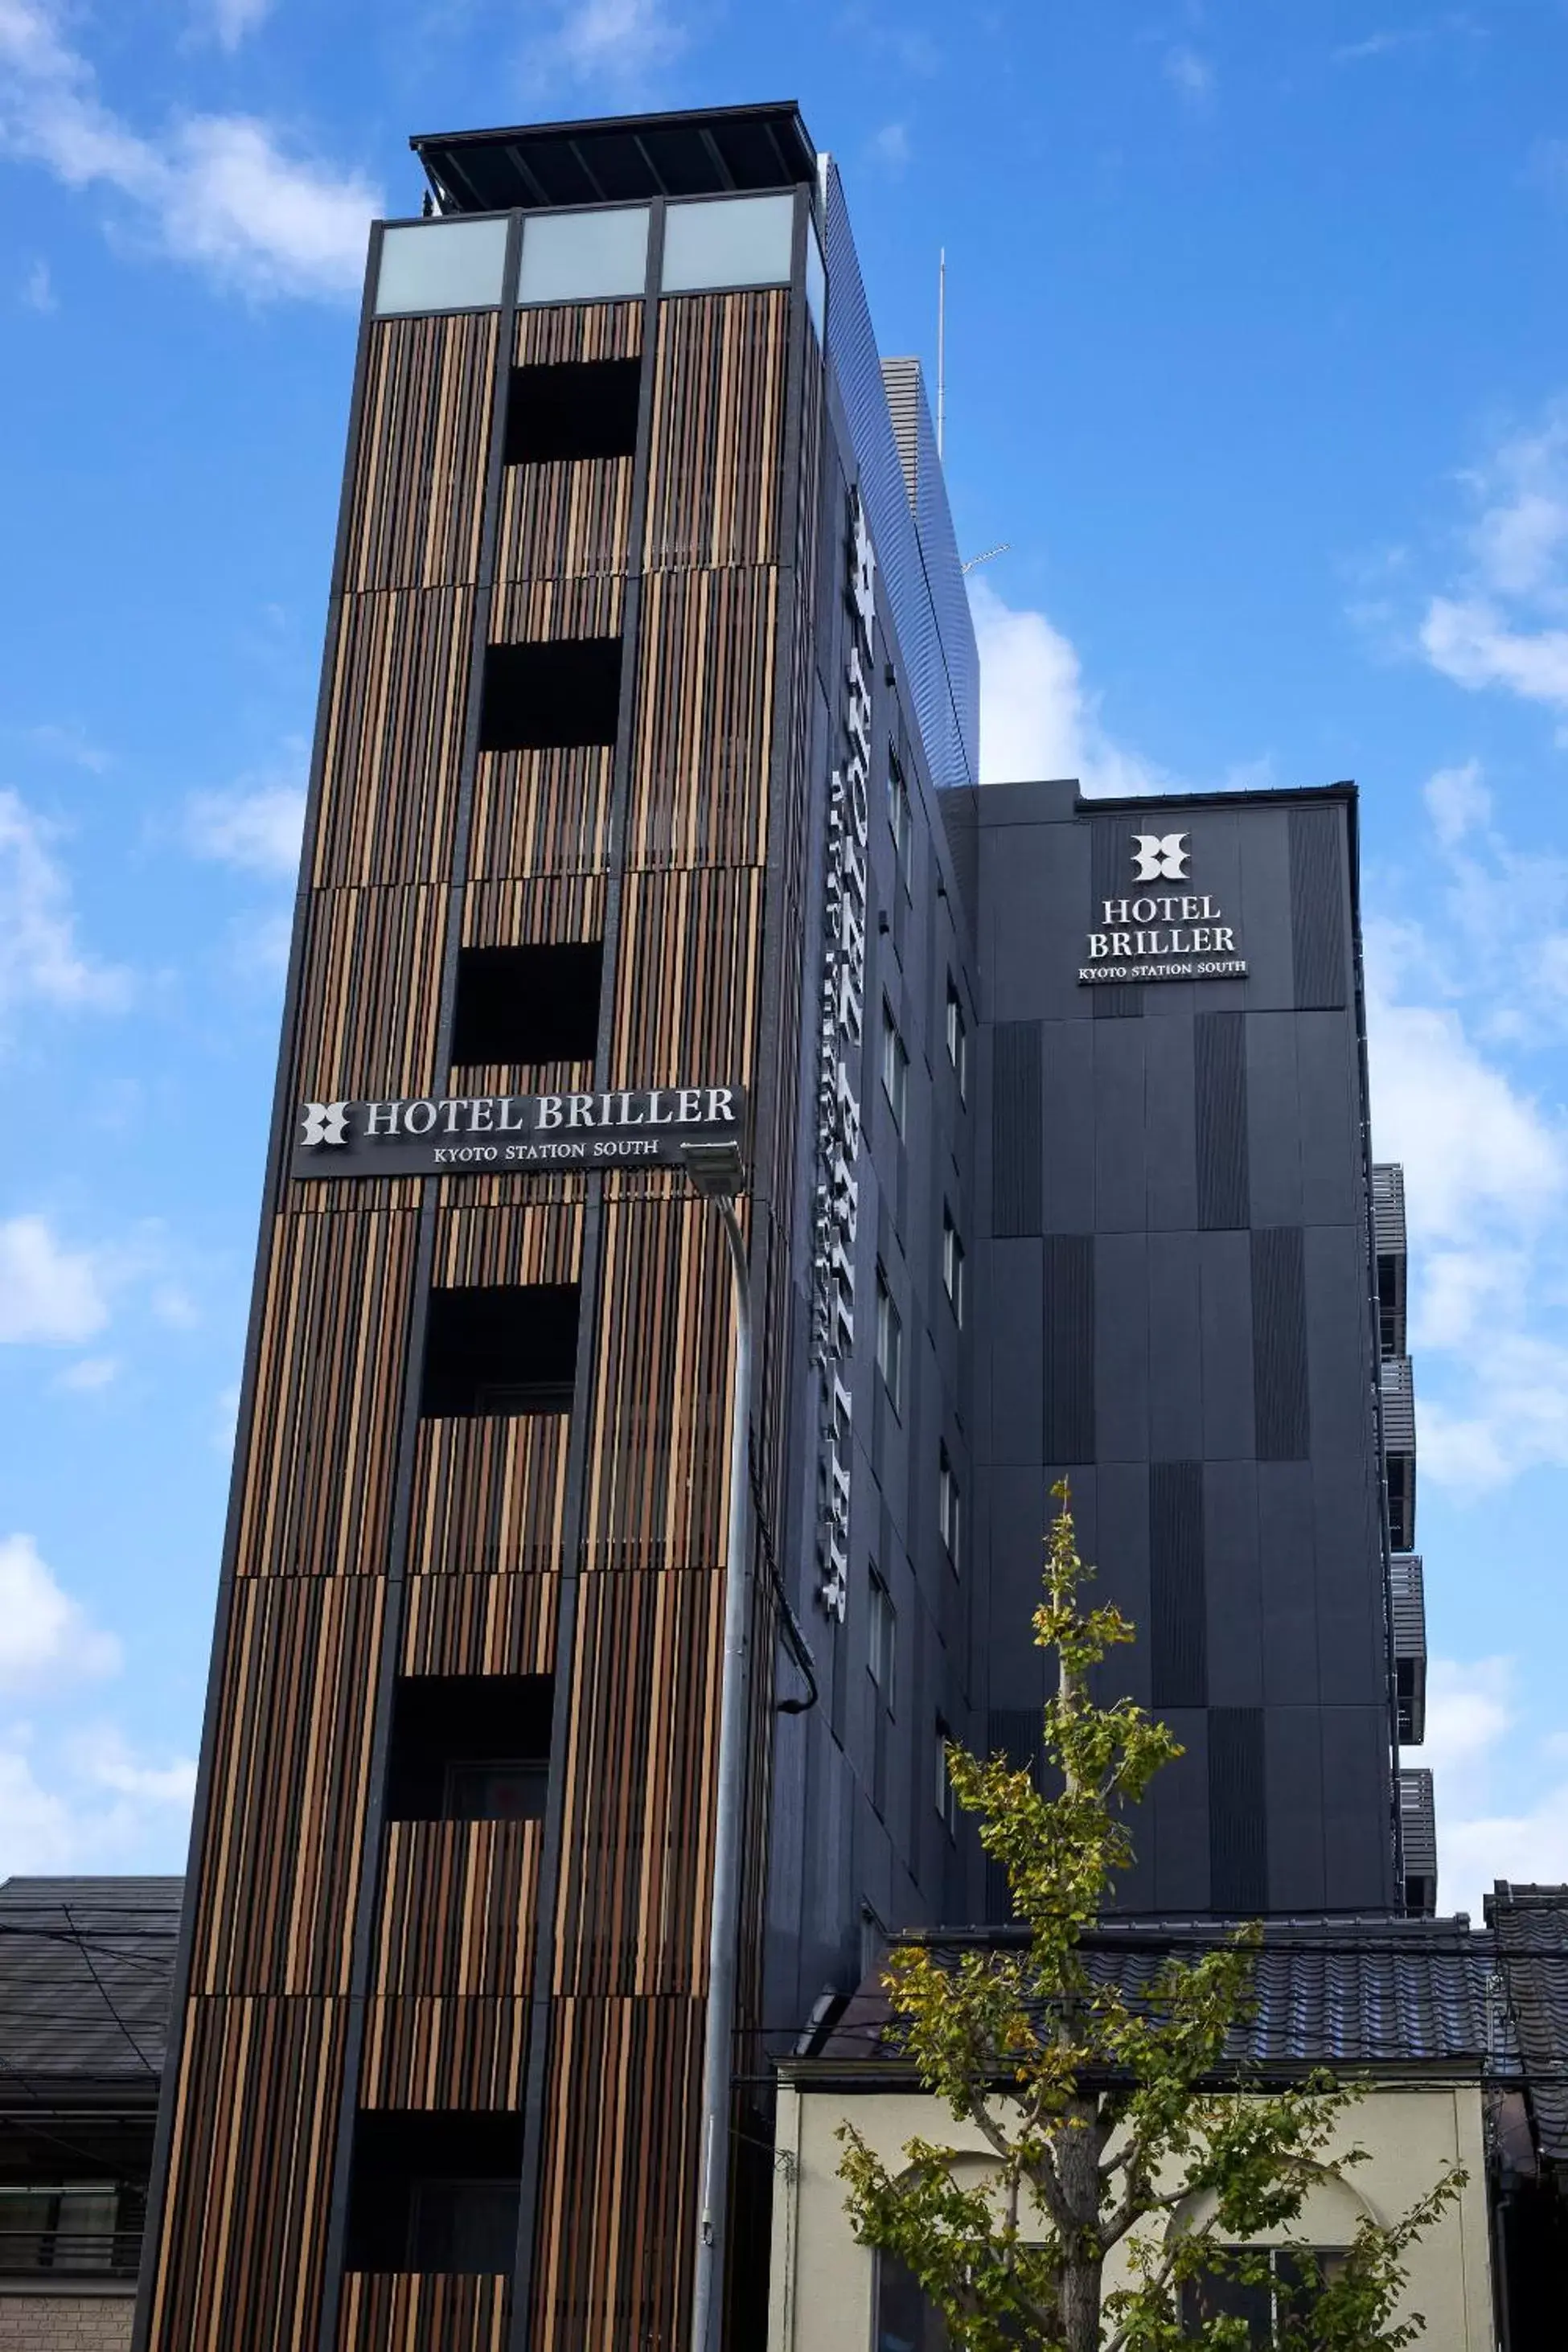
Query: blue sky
column 1259, row 361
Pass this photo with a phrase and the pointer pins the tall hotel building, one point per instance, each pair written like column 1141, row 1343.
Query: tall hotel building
column 644, row 807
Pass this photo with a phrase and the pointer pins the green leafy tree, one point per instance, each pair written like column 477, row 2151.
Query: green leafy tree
column 1097, row 2100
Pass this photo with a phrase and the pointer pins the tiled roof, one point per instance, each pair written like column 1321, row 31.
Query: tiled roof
column 1332, row 1991
column 86, row 1972
column 1530, row 1925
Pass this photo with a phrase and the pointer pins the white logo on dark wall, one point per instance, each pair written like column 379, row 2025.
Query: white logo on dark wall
column 1158, row 858
column 1162, row 934
column 325, row 1123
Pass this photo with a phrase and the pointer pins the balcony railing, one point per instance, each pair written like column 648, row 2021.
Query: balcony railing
column 70, row 2253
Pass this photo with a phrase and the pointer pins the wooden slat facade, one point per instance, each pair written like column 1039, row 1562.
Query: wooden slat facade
column 341, row 1961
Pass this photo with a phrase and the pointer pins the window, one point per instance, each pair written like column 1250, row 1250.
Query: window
column 951, row 1263
column 890, row 1342
column 949, row 1507
column 502, row 1348
column 899, row 819
column 469, row 1748
column 957, row 1038
column 945, row 1794
column 1270, row 2308
column 734, row 241
column 434, row 2190
column 895, row 1069
column 441, row 265
column 540, row 696
column 532, row 1005
column 583, row 256
column 75, row 2226
column 881, row 1639
column 576, row 408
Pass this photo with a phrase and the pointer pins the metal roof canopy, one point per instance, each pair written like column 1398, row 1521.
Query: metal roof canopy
column 618, row 159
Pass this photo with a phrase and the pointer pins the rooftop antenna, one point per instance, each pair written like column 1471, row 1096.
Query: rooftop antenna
column 940, row 346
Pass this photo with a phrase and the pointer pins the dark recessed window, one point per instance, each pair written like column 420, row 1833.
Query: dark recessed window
column 576, row 408
column 506, row 1348
column 528, row 1004
column 542, row 696
column 469, row 1748
column 435, row 2191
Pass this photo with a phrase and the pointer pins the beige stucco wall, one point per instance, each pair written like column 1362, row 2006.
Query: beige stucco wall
column 822, row 2281
column 66, row 2323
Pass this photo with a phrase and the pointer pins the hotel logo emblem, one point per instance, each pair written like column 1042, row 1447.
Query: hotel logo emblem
column 1160, row 857
column 325, row 1123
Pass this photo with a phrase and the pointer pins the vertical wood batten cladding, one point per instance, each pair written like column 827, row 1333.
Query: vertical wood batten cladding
column 447, row 2023
column 281, row 1856
column 623, row 2099
column 369, row 995
column 704, row 728
column 321, row 1446
column 423, row 2312
column 418, row 496
column 688, row 977
column 714, row 471
column 540, row 813
column 283, row 1846
column 249, row 2177
column 396, row 703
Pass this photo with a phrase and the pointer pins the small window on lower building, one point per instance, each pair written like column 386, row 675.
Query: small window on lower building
column 943, row 1790
column 528, row 1005
column 907, row 2320
column 574, row 408
column 890, row 1342
column 551, row 696
column 500, row 1349
column 949, row 1507
column 1271, row 2307
column 957, row 1037
column 881, row 1639
column 895, row 1069
column 469, row 1748
column 435, row 2191
column 90, row 2229
column 951, row 1263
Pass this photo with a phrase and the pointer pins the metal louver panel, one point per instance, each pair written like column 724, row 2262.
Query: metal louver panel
column 1418, row 1825
column 1409, row 1615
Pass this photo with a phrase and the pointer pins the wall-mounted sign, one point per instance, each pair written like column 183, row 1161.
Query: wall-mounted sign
column 1162, row 934
column 453, row 1135
column 841, row 1021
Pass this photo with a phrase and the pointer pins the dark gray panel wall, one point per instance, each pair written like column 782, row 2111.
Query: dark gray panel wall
column 1192, row 1335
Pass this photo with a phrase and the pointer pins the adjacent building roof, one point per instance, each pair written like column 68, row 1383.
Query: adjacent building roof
column 1336, row 1991
column 1529, row 1926
column 85, row 1979
column 711, row 151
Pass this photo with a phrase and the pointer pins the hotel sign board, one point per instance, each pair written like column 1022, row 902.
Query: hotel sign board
column 1154, row 932
column 456, row 1135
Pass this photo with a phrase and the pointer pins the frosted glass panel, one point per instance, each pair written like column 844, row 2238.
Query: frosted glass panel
column 733, row 241
column 442, row 266
column 583, row 256
column 816, row 283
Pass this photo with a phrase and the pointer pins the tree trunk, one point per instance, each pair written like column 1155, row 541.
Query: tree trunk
column 1078, row 2145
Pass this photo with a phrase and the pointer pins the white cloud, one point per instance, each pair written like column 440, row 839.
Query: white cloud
column 257, row 828
column 890, row 147
column 1472, row 1722
column 88, row 1375
column 45, row 1637
column 96, row 1805
column 1504, row 623
column 39, row 958
column 72, row 743
column 1456, row 802
column 50, row 1294
column 232, row 20
column 1036, row 717
column 618, row 41
column 215, row 190
column 37, row 288
column 1190, row 75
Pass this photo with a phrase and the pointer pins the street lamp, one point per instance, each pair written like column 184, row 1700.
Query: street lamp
column 718, row 1173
